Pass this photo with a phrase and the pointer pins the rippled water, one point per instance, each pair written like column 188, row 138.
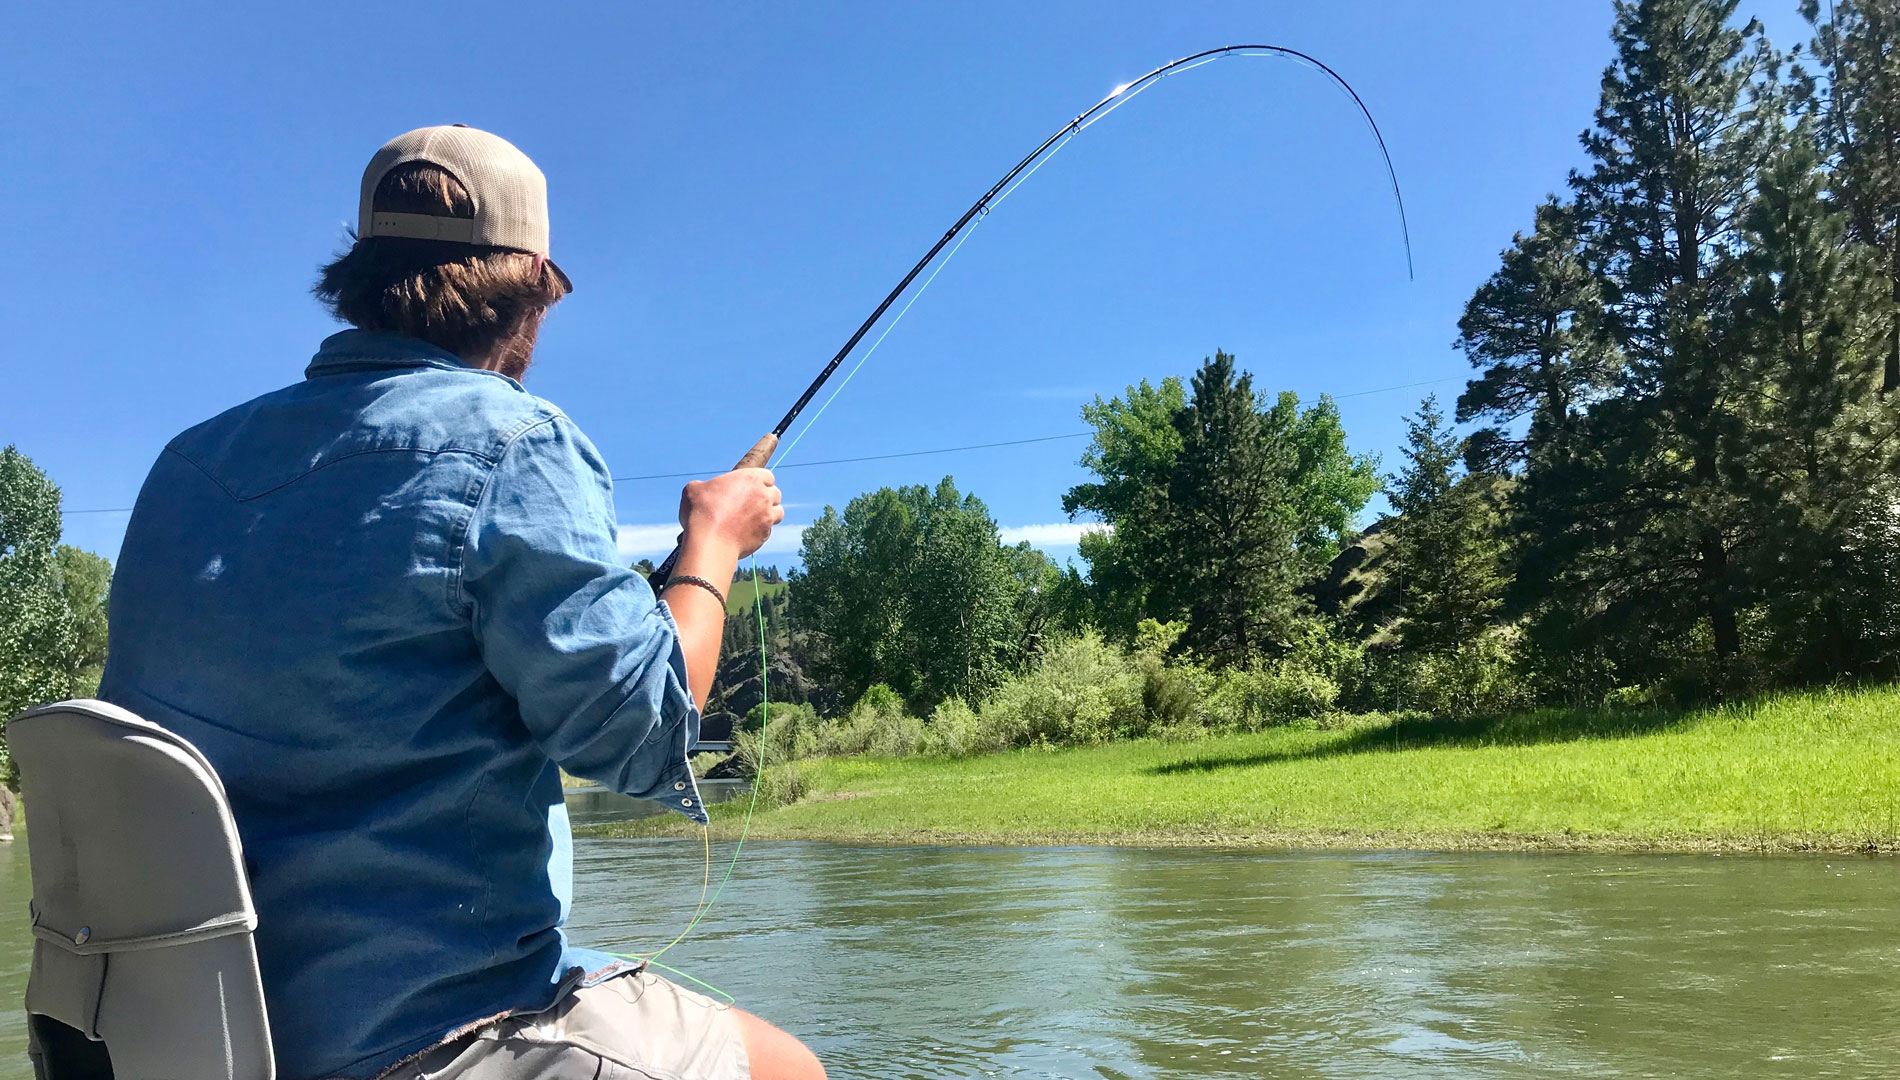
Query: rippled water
column 1096, row 962
column 1118, row 963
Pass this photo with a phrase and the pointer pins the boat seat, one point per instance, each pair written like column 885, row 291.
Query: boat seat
column 144, row 966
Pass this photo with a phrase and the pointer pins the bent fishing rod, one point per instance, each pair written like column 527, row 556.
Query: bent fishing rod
column 761, row 452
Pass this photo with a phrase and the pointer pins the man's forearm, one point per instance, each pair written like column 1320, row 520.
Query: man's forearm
column 700, row 615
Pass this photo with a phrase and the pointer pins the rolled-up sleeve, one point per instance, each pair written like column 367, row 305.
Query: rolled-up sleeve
column 592, row 658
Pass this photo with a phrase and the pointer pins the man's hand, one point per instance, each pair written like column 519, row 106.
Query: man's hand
column 726, row 519
column 737, row 509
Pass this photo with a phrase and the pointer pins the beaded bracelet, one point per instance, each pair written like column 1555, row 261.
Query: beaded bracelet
column 688, row 579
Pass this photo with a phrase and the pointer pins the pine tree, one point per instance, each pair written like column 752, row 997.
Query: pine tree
column 1642, row 519
column 1230, row 562
column 1857, row 117
column 1534, row 330
column 1445, row 554
column 1139, row 456
column 1823, row 445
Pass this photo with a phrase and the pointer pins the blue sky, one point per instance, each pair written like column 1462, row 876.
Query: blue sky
column 734, row 187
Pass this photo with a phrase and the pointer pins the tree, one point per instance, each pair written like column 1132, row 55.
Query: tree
column 1132, row 453
column 1445, row 554
column 85, row 580
column 1230, row 564
column 1857, row 118
column 1534, row 329
column 1329, row 484
column 37, row 635
column 910, row 587
column 1044, row 596
column 1157, row 503
column 1823, row 445
column 1642, row 521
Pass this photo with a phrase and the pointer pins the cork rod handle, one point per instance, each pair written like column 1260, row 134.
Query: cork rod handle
column 760, row 453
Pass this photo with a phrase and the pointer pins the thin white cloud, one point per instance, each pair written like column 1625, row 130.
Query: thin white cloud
column 1059, row 534
column 650, row 540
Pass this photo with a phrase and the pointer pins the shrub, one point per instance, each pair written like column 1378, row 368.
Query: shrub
column 793, row 734
column 956, row 729
column 1318, row 645
column 1173, row 698
column 1263, row 695
column 1480, row 679
column 782, row 784
column 1173, row 691
column 1083, row 691
column 877, row 724
column 1630, row 699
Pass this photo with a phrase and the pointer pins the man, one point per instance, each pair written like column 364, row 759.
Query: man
column 387, row 604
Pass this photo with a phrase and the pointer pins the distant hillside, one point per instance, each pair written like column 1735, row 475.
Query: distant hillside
column 1354, row 588
column 739, row 597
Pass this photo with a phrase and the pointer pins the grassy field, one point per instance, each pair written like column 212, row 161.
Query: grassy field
column 1800, row 772
column 739, row 597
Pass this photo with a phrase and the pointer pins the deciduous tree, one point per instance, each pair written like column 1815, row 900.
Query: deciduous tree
column 37, row 634
column 1215, row 502
column 910, row 587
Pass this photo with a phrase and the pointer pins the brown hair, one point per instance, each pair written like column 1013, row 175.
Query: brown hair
column 480, row 303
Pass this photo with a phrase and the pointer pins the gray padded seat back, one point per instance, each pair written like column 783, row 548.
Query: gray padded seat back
column 142, row 915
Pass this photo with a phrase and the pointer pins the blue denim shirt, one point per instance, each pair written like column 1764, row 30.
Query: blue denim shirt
column 386, row 602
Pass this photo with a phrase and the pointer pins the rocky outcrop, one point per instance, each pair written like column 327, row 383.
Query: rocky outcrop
column 739, row 686
column 1355, row 588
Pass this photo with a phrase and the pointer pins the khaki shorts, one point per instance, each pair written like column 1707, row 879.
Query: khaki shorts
column 635, row 1027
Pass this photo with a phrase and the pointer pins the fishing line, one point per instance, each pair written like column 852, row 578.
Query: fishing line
column 960, row 233
column 730, row 1000
column 849, row 375
column 705, row 880
column 758, row 774
column 1032, row 164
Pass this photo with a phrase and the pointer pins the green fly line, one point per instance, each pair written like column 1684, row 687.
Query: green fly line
column 705, row 833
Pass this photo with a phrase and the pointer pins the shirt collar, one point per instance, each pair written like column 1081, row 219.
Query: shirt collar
column 369, row 350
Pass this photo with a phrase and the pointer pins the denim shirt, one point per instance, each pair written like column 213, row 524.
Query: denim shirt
column 387, row 602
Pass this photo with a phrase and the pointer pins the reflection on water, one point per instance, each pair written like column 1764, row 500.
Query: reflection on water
column 1104, row 963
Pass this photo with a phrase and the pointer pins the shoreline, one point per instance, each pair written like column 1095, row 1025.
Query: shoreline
column 1814, row 772
column 1280, row 840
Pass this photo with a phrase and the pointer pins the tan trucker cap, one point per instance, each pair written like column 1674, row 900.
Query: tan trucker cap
column 509, row 192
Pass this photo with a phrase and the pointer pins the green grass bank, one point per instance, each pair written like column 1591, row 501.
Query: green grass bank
column 1816, row 771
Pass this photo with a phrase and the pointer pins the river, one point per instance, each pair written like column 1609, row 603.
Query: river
column 1107, row 963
